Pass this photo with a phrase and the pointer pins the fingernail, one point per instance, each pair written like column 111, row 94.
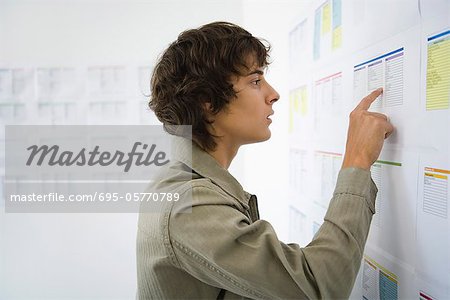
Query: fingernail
column 379, row 89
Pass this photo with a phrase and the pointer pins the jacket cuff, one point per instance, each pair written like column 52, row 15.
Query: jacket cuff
column 357, row 182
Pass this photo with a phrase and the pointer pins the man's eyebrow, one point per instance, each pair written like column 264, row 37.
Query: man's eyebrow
column 257, row 71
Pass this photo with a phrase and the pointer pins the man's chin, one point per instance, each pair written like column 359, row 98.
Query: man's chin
column 262, row 139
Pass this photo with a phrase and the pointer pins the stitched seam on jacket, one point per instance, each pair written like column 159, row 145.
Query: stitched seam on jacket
column 360, row 196
column 211, row 267
column 347, row 193
column 165, row 230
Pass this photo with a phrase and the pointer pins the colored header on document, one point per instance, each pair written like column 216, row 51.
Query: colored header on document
column 391, row 163
column 423, row 296
column 328, row 78
column 328, row 153
column 440, row 35
column 399, row 52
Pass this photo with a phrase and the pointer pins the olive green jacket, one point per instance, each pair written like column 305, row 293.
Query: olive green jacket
column 211, row 244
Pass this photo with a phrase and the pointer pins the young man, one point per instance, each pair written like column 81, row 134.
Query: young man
column 213, row 79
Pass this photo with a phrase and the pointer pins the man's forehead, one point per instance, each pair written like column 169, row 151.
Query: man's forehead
column 253, row 65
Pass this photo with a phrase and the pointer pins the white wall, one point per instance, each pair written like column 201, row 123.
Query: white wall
column 70, row 32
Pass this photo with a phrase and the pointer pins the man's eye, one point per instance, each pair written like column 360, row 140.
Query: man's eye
column 256, row 82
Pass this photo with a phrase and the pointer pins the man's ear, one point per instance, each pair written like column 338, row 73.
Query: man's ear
column 207, row 107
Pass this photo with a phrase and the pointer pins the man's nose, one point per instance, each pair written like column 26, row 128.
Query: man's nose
column 273, row 95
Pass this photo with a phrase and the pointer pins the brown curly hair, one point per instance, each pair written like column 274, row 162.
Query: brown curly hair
column 197, row 69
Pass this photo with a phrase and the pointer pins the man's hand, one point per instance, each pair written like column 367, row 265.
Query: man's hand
column 366, row 134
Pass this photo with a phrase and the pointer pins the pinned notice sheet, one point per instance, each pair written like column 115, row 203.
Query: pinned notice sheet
column 438, row 71
column 382, row 71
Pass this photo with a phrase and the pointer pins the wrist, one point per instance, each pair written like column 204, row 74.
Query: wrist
column 356, row 163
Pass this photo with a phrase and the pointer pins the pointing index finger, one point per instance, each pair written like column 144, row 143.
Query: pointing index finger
column 369, row 99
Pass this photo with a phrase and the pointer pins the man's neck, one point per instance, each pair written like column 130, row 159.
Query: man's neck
column 224, row 154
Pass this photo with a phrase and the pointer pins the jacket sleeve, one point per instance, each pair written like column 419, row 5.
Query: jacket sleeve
column 218, row 244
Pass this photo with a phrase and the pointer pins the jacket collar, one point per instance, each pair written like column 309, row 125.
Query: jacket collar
column 189, row 153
